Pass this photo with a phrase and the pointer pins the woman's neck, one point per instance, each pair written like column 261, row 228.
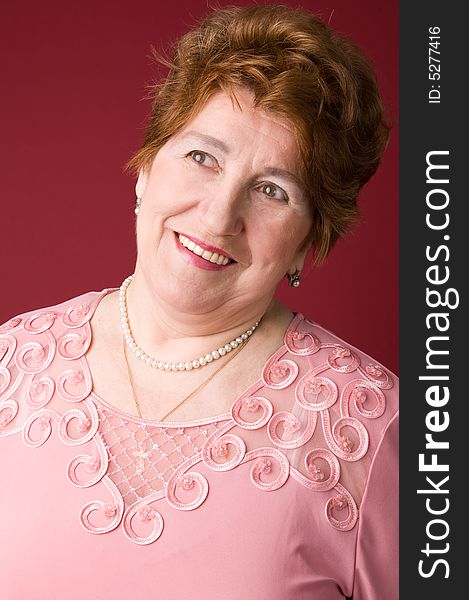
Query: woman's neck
column 164, row 332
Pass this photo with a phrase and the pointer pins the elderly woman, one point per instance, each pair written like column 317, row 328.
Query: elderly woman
column 216, row 444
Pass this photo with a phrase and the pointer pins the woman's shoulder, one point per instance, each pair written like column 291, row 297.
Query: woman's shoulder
column 71, row 312
column 351, row 394
column 323, row 350
column 41, row 353
column 332, row 410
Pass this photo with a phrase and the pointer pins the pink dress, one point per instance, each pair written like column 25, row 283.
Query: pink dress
column 292, row 495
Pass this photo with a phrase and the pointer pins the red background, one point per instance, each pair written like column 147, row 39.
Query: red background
column 72, row 113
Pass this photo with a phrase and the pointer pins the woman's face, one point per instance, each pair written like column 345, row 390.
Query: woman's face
column 228, row 183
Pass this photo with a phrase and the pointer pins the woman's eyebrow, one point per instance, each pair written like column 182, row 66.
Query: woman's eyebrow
column 277, row 172
column 203, row 137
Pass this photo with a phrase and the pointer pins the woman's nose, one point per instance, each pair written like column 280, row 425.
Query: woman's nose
column 221, row 211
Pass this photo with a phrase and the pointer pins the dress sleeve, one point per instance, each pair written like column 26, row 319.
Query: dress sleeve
column 377, row 555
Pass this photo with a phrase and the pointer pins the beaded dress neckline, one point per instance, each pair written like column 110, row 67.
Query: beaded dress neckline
column 171, row 424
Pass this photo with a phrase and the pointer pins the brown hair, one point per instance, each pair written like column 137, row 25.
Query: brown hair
column 299, row 69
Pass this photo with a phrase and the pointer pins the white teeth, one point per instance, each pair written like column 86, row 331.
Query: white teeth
column 212, row 257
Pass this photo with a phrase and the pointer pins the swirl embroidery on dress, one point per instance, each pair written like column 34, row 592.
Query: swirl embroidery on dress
column 158, row 463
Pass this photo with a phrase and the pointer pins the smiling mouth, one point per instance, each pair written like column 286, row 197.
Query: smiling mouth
column 212, row 257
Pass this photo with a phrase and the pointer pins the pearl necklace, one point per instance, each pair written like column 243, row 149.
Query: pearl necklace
column 163, row 365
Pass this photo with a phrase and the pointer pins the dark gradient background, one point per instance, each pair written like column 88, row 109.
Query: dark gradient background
column 72, row 112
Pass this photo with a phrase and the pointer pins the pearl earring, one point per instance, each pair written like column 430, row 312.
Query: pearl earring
column 294, row 280
column 137, row 206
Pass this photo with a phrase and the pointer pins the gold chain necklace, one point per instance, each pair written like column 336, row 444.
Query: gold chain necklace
column 231, row 355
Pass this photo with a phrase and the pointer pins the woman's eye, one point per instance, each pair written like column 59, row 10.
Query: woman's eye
column 273, row 191
column 202, row 158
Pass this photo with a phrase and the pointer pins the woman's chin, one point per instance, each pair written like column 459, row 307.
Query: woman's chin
column 189, row 292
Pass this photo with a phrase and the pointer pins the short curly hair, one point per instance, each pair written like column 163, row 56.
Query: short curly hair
column 299, row 69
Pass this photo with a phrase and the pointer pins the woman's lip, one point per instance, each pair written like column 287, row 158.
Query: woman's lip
column 206, row 246
column 198, row 261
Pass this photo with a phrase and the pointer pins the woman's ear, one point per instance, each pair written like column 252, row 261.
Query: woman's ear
column 300, row 256
column 141, row 184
